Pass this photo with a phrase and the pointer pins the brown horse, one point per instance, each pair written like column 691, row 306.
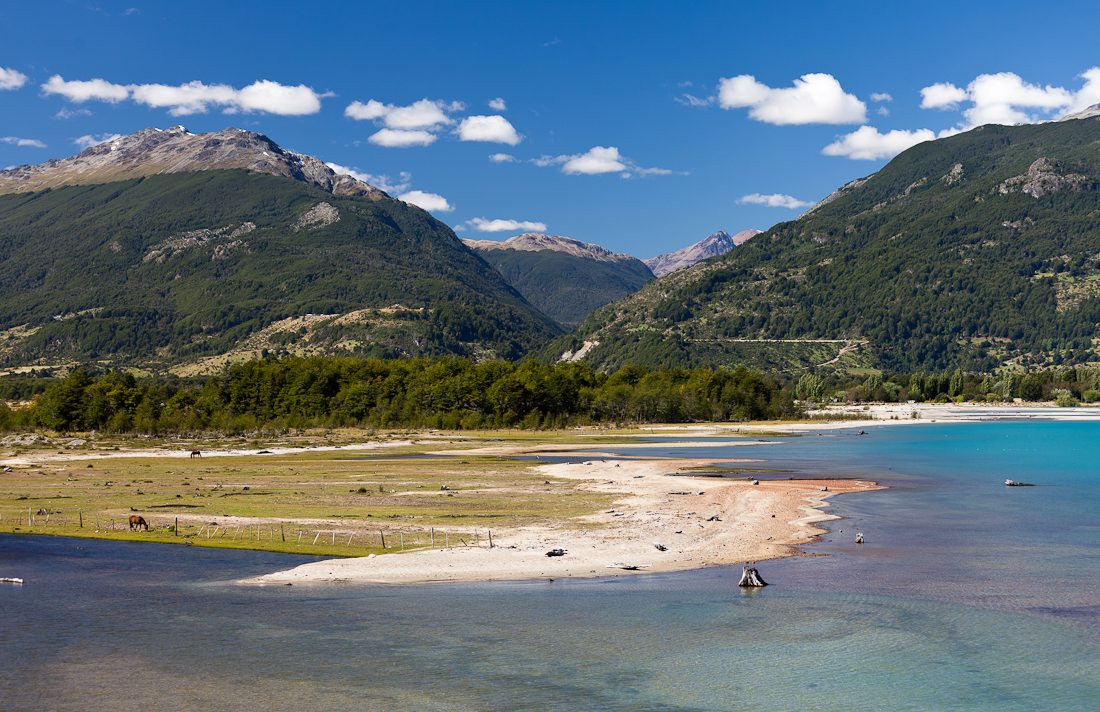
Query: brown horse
column 137, row 521
column 196, row 453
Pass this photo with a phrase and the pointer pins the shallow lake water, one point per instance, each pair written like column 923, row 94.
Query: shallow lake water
column 968, row 595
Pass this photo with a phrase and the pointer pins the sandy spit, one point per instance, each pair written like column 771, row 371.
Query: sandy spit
column 699, row 521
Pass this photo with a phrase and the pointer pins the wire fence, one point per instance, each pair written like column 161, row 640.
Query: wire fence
column 252, row 533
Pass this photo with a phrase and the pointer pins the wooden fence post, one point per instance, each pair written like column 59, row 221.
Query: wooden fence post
column 490, row 538
column 383, row 535
column 349, row 539
column 433, row 537
column 300, row 537
column 81, row 519
column 402, row 541
column 316, row 537
column 282, row 532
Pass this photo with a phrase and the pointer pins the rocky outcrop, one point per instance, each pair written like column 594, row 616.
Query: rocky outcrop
column 536, row 242
column 175, row 150
column 1045, row 176
column 717, row 244
column 321, row 215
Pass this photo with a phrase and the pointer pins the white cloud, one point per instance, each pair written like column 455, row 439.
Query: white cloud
column 383, row 182
column 89, row 141
column 503, row 158
column 598, row 160
column 15, row 141
column 78, row 91
column 814, row 99
column 429, row 201
column 483, row 225
column 1087, row 95
column 66, row 113
column 776, row 200
column 1005, row 98
column 498, row 104
column 882, row 111
column 424, row 114
column 867, row 144
column 881, row 97
column 11, row 79
column 1000, row 98
column 184, row 100
column 491, row 129
column 942, row 95
column 689, row 100
column 194, row 97
column 274, row 98
column 392, row 138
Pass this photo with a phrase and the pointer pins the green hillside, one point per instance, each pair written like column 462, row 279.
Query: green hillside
column 565, row 287
column 965, row 252
column 170, row 270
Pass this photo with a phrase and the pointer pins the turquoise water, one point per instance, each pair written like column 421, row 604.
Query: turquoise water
column 967, row 596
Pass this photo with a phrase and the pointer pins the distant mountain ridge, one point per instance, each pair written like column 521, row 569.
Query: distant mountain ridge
column 718, row 243
column 565, row 278
column 155, row 151
column 535, row 241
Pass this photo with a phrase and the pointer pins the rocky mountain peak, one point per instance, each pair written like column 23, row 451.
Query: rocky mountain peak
column 1090, row 112
column 154, row 151
column 718, row 243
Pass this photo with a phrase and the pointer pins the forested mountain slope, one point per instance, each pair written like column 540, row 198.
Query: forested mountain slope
column 965, row 252
column 565, row 278
column 175, row 271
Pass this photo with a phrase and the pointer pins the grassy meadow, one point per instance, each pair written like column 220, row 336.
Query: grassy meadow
column 306, row 501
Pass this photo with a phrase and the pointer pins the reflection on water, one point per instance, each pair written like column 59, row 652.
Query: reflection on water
column 967, row 596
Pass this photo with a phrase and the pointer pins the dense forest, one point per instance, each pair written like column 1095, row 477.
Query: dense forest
column 450, row 393
column 276, row 395
column 567, row 287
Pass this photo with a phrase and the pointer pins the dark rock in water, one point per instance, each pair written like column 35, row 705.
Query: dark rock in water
column 750, row 577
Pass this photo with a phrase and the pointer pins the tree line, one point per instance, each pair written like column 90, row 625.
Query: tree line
column 275, row 395
column 278, row 394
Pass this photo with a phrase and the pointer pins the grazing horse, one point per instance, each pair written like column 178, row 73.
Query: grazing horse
column 196, row 453
column 139, row 522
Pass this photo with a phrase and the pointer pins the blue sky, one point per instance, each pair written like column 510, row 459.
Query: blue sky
column 639, row 126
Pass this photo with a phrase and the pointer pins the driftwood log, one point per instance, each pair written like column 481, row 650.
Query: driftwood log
column 751, row 577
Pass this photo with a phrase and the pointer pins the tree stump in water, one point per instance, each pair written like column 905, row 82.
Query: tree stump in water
column 751, row 577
